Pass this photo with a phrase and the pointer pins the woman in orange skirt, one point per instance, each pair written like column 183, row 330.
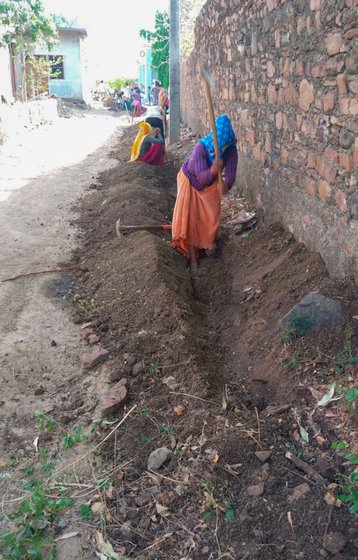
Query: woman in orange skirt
column 196, row 217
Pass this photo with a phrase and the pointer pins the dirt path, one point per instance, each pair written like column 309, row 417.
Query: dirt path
column 40, row 348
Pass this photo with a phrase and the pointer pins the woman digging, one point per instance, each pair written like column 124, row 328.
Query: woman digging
column 196, row 216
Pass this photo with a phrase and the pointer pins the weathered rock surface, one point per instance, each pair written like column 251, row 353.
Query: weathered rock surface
column 115, row 398
column 95, row 357
column 316, row 311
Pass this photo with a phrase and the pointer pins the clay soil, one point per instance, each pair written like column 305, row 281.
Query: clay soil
column 213, row 379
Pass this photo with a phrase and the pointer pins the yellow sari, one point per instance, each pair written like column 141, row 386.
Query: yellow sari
column 144, row 130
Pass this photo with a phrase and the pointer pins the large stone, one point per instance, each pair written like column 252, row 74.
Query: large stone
column 157, row 458
column 346, row 138
column 94, row 357
column 315, row 312
column 306, row 95
column 352, row 62
column 115, row 398
column 333, row 43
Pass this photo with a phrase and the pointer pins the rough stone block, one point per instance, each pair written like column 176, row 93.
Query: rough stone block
column 342, row 84
column 324, row 190
column 341, row 200
column 333, row 43
column 353, row 85
column 306, row 95
column 352, row 62
column 346, row 139
column 332, row 154
column 114, row 399
column 95, row 357
column 334, row 66
column 319, row 71
column 349, row 106
column 311, row 187
column 346, row 161
column 271, row 94
column 311, row 161
column 317, row 311
column 326, row 169
column 328, row 101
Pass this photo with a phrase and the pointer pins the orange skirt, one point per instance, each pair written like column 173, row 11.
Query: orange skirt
column 196, row 216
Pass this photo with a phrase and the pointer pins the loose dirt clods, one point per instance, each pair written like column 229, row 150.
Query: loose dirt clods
column 223, row 449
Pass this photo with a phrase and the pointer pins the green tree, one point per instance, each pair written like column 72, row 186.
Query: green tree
column 159, row 40
column 23, row 25
column 121, row 82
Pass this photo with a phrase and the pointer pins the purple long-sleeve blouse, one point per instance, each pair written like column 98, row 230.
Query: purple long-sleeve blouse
column 198, row 167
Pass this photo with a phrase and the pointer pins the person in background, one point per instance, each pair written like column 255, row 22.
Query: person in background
column 136, row 103
column 196, row 216
column 154, row 116
column 163, row 103
column 154, row 93
column 147, row 146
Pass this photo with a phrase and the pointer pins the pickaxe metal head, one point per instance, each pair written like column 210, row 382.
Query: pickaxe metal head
column 205, row 74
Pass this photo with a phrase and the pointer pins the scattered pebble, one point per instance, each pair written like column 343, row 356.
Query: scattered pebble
column 39, row 390
column 53, row 343
column 115, row 398
column 94, row 357
column 256, row 490
column 334, row 542
column 157, row 458
column 263, row 455
column 300, row 491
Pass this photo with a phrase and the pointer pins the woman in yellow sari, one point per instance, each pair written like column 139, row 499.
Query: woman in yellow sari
column 148, row 145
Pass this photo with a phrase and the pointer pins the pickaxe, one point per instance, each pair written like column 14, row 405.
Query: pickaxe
column 208, row 85
column 120, row 228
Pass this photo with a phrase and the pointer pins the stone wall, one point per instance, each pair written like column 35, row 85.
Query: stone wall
column 286, row 72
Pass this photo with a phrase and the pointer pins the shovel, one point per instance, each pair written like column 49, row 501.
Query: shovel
column 121, row 228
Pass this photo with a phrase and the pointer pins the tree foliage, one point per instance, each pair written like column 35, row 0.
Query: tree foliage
column 189, row 11
column 120, row 83
column 25, row 24
column 159, row 40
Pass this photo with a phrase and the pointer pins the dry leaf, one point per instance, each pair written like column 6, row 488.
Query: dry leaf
column 105, row 549
column 179, row 410
column 2, row 464
column 328, row 397
column 67, row 536
column 109, row 492
column 332, row 500
column 212, row 454
column 289, row 517
column 162, row 510
column 156, row 478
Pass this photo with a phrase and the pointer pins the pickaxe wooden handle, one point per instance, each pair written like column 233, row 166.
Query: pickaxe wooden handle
column 120, row 227
column 208, row 82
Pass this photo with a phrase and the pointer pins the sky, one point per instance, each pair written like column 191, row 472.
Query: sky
column 113, row 42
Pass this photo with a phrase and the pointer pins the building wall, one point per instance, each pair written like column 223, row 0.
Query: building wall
column 286, row 72
column 5, row 76
column 69, row 47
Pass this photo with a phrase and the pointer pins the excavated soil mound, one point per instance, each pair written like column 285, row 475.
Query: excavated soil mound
column 215, row 381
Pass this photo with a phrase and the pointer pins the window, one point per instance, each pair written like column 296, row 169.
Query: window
column 56, row 67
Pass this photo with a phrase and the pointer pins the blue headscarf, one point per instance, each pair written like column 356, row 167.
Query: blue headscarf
column 225, row 134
